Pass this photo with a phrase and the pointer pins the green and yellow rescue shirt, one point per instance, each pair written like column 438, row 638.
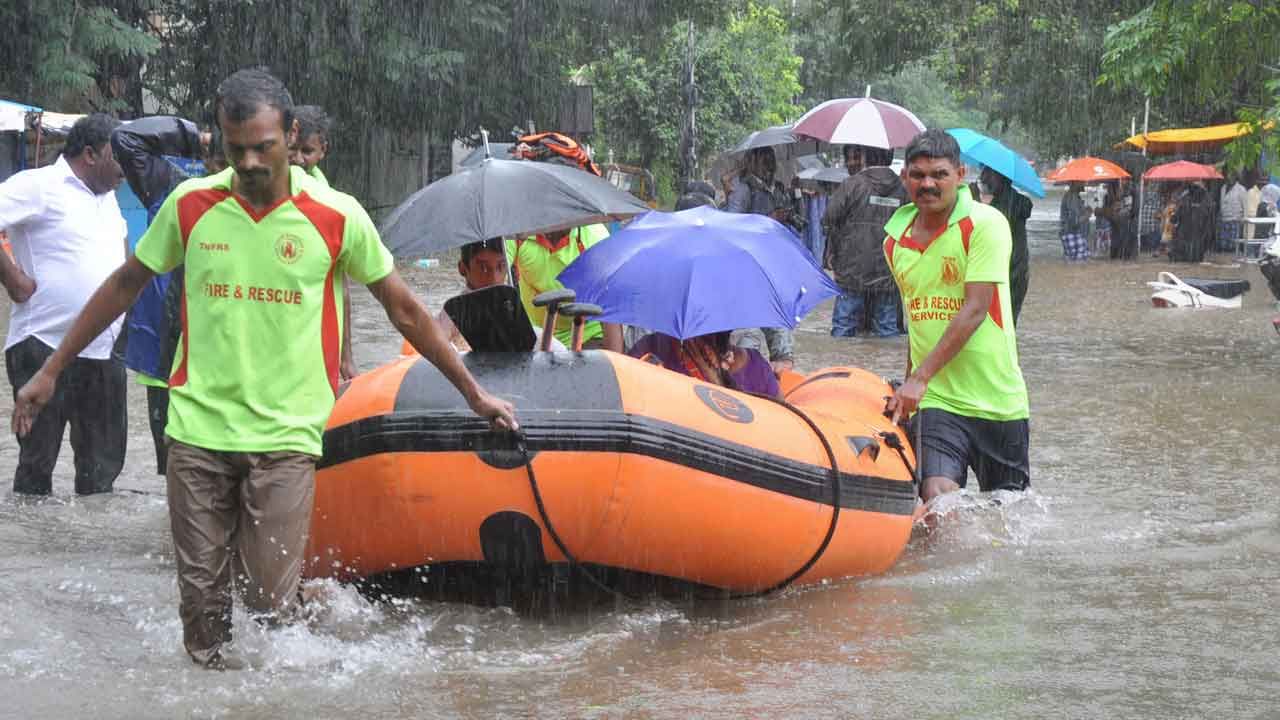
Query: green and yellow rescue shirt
column 318, row 175
column 256, row 368
column 540, row 261
column 983, row 380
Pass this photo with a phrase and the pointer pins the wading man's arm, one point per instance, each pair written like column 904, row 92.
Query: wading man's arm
column 417, row 326
column 116, row 295
column 977, row 301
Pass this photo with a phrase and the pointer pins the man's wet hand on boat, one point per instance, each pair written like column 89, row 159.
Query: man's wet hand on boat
column 906, row 398
column 500, row 413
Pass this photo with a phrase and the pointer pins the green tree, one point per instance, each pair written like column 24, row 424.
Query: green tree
column 75, row 55
column 1029, row 64
column 1206, row 58
column 747, row 74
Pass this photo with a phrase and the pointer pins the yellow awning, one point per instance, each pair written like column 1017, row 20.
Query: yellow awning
column 1189, row 140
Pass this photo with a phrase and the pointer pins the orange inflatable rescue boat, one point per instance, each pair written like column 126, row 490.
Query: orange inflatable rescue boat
column 620, row 465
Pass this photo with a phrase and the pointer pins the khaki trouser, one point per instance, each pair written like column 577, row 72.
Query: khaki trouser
column 236, row 514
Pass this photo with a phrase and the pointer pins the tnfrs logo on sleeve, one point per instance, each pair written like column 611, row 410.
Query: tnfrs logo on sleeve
column 288, row 248
column 950, row 271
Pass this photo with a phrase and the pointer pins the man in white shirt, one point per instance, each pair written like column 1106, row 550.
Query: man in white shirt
column 1253, row 198
column 67, row 236
column 1231, row 216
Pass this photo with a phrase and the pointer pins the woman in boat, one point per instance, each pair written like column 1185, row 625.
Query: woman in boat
column 711, row 358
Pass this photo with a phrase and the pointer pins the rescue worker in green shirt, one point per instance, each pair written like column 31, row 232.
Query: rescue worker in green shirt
column 256, row 374
column 538, row 261
column 314, row 126
column 949, row 255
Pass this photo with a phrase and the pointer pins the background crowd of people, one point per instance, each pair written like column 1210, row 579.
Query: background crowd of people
column 1181, row 220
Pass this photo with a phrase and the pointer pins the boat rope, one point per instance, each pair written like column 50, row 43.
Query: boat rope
column 813, row 559
column 551, row 528
column 835, row 506
column 893, row 442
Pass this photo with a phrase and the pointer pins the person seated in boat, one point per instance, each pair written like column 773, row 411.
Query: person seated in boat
column 713, row 359
column 482, row 265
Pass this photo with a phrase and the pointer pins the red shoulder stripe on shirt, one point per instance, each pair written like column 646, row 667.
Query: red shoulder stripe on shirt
column 331, row 225
column 966, row 229
column 193, row 205
column 179, row 376
column 889, row 245
column 994, row 311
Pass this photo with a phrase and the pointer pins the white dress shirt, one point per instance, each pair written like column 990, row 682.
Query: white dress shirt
column 68, row 240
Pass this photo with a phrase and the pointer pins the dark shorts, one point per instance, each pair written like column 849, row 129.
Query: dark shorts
column 996, row 450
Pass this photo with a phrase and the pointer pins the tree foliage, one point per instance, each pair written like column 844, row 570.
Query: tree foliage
column 747, row 77
column 74, row 55
column 1207, row 58
column 1027, row 64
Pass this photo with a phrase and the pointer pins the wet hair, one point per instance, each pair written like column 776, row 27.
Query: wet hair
column 936, row 144
column 469, row 250
column 90, row 131
column 246, row 91
column 852, row 148
column 313, row 120
column 877, row 157
column 755, row 156
column 692, row 200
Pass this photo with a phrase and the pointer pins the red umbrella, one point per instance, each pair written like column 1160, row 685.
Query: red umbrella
column 1087, row 169
column 1182, row 170
column 861, row 121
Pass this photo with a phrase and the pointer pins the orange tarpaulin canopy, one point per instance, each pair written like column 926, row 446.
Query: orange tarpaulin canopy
column 1188, row 140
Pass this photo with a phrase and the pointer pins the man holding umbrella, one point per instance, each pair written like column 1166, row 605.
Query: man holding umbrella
column 950, row 258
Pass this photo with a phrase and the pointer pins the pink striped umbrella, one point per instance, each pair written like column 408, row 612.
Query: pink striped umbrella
column 861, row 121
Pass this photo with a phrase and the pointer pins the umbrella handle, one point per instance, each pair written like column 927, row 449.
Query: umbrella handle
column 552, row 300
column 580, row 312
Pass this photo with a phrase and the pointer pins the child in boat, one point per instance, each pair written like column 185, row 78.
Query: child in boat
column 713, row 359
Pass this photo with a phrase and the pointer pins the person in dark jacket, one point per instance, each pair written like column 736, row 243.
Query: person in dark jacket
column 754, row 190
column 1193, row 225
column 1016, row 208
column 854, row 224
column 154, row 321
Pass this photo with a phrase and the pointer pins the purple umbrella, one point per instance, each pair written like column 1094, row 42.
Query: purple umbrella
column 700, row 271
column 860, row 121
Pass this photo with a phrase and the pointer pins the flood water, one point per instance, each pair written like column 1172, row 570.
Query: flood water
column 1139, row 578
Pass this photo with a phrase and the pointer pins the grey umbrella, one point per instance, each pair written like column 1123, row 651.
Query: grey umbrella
column 500, row 198
column 786, row 146
column 836, row 175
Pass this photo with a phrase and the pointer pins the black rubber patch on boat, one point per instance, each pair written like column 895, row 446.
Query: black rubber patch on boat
column 723, row 404
column 531, row 381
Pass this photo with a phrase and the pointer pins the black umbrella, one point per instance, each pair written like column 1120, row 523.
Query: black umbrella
column 497, row 151
column 499, row 198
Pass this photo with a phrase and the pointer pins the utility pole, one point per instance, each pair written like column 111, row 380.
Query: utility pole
column 689, row 128
column 1142, row 181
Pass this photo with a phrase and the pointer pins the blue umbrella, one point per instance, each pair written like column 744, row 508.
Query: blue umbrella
column 700, row 271
column 978, row 148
